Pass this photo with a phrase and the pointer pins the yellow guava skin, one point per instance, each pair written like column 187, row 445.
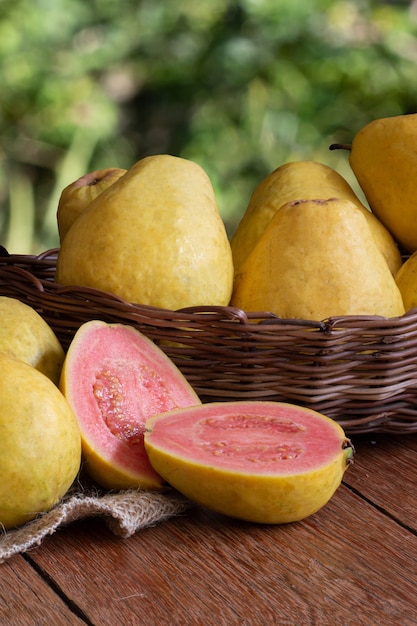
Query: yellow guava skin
column 27, row 336
column 112, row 477
column 252, row 496
column 40, row 443
column 388, row 145
column 406, row 279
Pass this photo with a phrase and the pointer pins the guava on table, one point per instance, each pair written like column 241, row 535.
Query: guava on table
column 114, row 378
column 40, row 443
column 264, row 462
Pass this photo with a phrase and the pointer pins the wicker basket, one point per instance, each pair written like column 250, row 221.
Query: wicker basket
column 361, row 371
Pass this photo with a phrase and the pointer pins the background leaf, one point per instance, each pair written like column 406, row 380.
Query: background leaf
column 239, row 87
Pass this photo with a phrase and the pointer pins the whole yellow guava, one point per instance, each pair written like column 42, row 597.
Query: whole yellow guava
column 317, row 259
column 27, row 336
column 153, row 237
column 40, row 443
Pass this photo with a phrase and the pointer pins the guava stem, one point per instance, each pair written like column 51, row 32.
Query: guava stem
column 350, row 451
column 340, row 146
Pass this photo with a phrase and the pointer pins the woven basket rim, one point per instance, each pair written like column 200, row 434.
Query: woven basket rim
column 359, row 370
column 46, row 261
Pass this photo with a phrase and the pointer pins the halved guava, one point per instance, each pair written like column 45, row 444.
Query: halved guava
column 265, row 462
column 114, row 379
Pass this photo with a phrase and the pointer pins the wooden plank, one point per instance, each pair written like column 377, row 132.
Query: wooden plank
column 347, row 564
column 26, row 599
column 385, row 472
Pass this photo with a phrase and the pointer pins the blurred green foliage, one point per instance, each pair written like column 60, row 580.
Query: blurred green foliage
column 238, row 86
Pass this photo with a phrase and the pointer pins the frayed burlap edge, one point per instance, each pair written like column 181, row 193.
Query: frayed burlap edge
column 124, row 512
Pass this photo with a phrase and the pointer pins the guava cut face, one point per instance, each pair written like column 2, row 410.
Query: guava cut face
column 265, row 462
column 114, row 379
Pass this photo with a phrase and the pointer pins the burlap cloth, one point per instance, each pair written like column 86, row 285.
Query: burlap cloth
column 124, row 512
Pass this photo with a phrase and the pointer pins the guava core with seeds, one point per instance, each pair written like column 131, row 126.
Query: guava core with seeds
column 265, row 462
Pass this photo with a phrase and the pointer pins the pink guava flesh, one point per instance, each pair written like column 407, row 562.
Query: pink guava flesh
column 115, row 379
column 264, row 437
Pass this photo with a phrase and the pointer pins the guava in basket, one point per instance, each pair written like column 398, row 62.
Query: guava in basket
column 155, row 237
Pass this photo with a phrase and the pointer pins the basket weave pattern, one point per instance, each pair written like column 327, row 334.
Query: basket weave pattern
column 359, row 370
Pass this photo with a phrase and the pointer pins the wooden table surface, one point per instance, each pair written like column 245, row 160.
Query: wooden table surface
column 354, row 562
